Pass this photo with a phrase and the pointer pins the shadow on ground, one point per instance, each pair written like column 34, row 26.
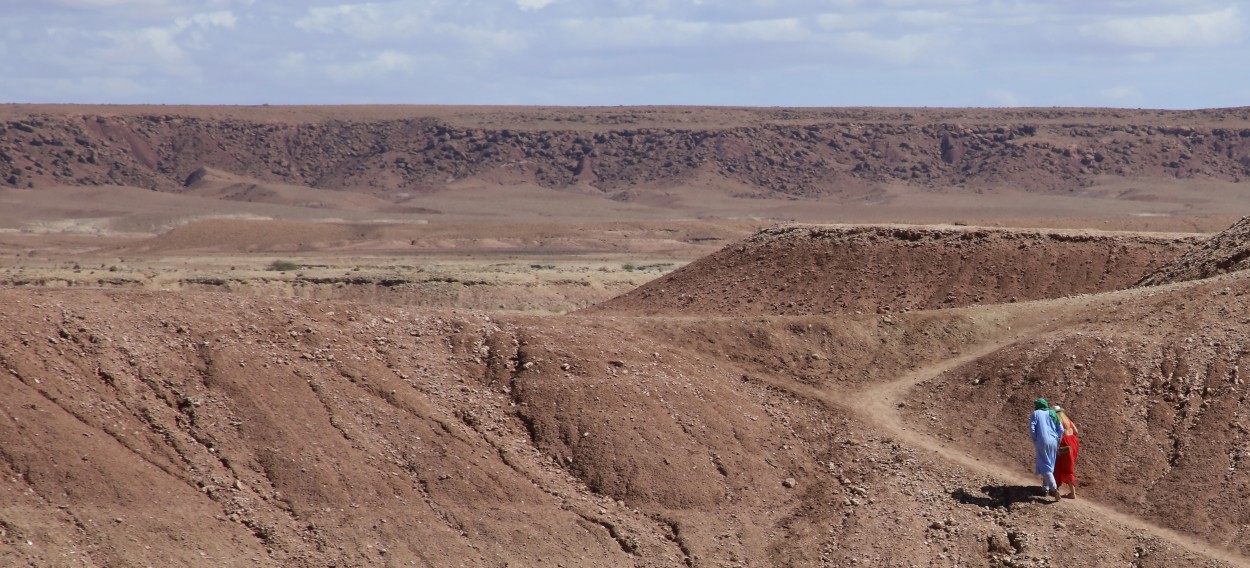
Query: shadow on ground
column 996, row 496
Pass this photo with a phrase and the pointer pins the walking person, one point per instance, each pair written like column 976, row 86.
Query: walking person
column 1045, row 430
column 1065, row 460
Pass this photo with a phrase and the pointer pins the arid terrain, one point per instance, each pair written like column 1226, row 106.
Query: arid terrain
column 631, row 336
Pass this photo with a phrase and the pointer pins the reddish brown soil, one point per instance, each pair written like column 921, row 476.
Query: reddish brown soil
column 1155, row 383
column 1228, row 251
column 181, row 428
column 812, row 396
column 802, row 270
column 163, row 428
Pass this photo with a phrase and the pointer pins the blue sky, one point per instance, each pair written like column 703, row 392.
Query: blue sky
column 1131, row 53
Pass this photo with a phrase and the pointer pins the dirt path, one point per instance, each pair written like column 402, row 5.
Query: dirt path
column 878, row 404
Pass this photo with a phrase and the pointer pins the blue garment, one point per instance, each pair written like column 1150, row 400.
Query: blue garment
column 1045, row 432
column 1048, row 481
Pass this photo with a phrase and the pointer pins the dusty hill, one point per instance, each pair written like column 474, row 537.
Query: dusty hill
column 178, row 428
column 1228, row 251
column 623, row 153
column 156, row 428
column 801, row 270
column 1155, row 382
column 814, row 395
column 216, row 184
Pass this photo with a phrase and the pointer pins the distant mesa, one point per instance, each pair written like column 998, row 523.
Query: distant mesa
column 786, row 152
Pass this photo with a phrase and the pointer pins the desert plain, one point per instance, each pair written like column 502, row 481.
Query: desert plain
column 620, row 336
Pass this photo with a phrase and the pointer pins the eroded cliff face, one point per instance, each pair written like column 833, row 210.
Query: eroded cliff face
column 799, row 153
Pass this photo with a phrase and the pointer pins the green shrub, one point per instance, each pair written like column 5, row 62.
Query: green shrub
column 282, row 265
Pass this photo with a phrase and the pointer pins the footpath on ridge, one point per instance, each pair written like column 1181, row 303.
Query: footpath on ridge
column 878, row 404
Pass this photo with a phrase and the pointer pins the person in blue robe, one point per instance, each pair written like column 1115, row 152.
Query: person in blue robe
column 1045, row 430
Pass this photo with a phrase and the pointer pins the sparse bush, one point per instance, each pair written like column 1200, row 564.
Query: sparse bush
column 627, row 267
column 282, row 265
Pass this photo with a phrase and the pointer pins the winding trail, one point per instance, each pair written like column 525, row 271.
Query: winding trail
column 878, row 404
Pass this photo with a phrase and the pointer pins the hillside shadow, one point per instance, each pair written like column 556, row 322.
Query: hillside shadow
column 1002, row 496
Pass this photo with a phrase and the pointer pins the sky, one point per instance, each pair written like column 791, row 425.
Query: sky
column 1174, row 54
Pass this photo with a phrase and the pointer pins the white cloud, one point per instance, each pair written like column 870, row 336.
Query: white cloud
column 634, row 31
column 1210, row 29
column 182, row 5
column 648, row 31
column 782, row 29
column 1005, row 97
column 147, row 10
column 533, row 4
column 293, row 63
column 224, row 18
column 908, row 3
column 462, row 33
column 367, row 22
column 329, row 19
column 901, row 50
column 380, row 64
column 161, row 43
column 108, row 3
column 169, row 44
column 925, row 18
column 483, row 39
column 845, row 21
column 1120, row 94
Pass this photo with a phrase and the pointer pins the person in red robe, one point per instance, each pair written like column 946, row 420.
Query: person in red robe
column 1065, row 459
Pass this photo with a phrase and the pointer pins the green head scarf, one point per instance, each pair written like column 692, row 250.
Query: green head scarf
column 1041, row 404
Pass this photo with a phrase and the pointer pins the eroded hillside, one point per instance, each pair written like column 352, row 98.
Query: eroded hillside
column 141, row 427
column 805, row 270
column 1156, row 382
column 163, row 428
column 1228, row 251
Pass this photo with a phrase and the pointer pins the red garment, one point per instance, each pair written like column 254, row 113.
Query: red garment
column 1065, row 461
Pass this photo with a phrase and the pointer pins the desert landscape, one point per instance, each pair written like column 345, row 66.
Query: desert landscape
column 620, row 336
